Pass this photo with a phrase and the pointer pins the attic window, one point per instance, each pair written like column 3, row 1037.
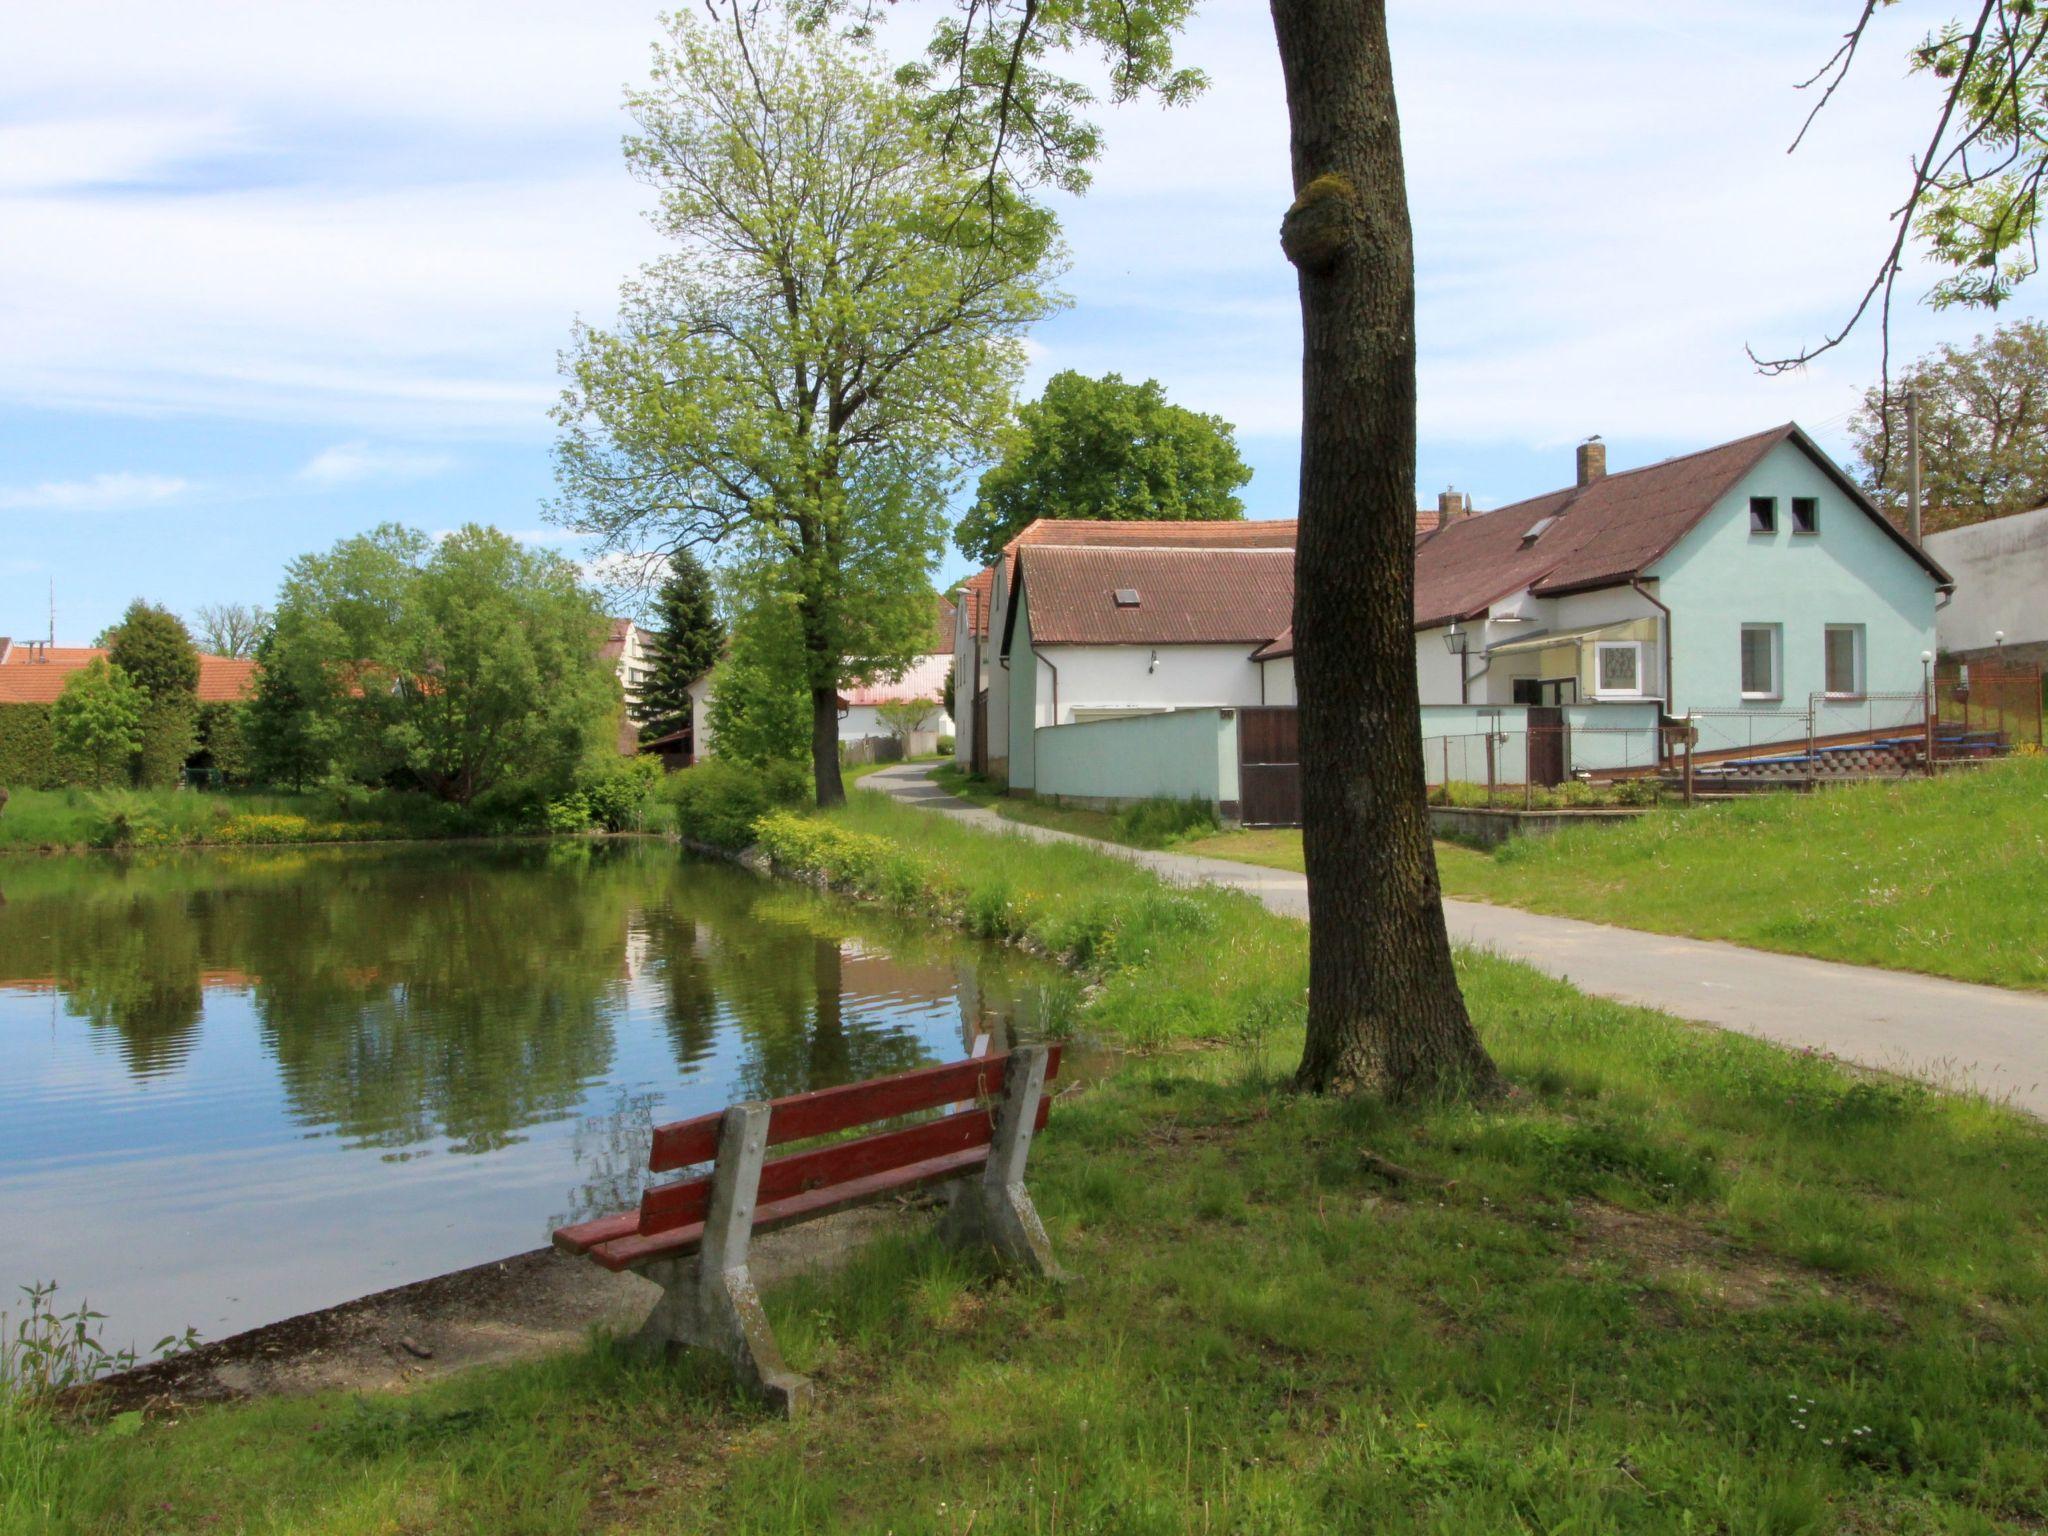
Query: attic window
column 1537, row 530
column 1127, row 597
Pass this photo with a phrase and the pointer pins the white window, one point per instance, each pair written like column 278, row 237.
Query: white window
column 1844, row 650
column 1760, row 652
column 1617, row 669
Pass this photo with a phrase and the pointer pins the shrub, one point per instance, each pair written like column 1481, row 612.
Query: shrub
column 170, row 735
column 717, row 802
column 28, row 748
column 1156, row 822
column 804, row 845
column 569, row 813
column 946, row 745
column 617, row 792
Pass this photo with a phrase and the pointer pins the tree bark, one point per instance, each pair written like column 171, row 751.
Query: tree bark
column 1385, row 1014
column 831, row 787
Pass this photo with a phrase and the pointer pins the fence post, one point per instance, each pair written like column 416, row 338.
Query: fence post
column 1927, row 705
column 1692, row 741
column 1489, row 766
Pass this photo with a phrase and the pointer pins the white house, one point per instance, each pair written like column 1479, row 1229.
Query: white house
column 1750, row 585
column 2000, row 610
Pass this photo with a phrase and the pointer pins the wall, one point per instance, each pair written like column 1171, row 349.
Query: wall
column 1278, row 685
column 966, row 680
column 1454, row 743
column 1187, row 753
column 1721, row 576
column 1126, row 677
column 700, row 717
column 1020, row 705
column 2001, row 572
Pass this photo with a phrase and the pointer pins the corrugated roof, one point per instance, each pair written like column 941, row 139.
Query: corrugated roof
column 1185, row 596
column 37, row 676
column 1599, row 535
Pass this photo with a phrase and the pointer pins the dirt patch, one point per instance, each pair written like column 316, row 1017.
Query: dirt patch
column 517, row 1308
column 1687, row 1257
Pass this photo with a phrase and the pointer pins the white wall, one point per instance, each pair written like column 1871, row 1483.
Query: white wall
column 1129, row 677
column 700, row 716
column 2001, row 572
column 1279, row 683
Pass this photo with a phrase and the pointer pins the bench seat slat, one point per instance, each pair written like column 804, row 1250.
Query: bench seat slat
column 586, row 1235
column 800, row 1116
column 626, row 1252
column 663, row 1206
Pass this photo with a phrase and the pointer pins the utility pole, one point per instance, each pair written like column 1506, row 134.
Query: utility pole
column 1913, row 464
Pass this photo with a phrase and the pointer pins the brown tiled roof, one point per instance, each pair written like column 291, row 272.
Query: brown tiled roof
column 942, row 633
column 37, row 676
column 1427, row 521
column 1280, row 645
column 1603, row 533
column 1270, row 533
column 1185, row 596
column 614, row 645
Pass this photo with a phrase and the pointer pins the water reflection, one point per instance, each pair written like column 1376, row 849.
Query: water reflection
column 345, row 1022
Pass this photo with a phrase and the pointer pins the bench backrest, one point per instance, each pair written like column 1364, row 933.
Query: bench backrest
column 820, row 1113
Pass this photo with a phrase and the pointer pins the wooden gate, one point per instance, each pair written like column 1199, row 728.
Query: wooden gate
column 977, row 755
column 1269, row 766
column 1546, row 745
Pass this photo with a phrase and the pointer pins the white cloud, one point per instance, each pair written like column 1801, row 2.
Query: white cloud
column 121, row 492
column 354, row 463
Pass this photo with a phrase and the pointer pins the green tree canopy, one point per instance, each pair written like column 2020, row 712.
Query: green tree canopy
column 1983, row 429
column 152, row 645
column 760, row 709
column 689, row 637
column 467, row 666
column 1103, row 448
column 837, row 336
column 97, row 723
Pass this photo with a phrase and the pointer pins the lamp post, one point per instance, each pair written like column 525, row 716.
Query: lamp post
column 1458, row 641
column 1927, row 705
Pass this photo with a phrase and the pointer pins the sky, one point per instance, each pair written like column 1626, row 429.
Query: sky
column 272, row 275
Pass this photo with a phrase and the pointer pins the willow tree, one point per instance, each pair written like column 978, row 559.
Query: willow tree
column 838, row 334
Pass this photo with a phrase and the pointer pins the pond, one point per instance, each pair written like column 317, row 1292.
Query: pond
column 239, row 1086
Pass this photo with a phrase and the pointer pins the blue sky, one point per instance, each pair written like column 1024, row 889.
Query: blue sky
column 271, row 275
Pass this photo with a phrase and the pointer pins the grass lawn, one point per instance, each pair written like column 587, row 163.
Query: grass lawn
column 1678, row 1281
column 54, row 820
column 1940, row 876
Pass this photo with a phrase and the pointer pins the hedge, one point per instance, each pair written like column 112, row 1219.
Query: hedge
column 28, row 748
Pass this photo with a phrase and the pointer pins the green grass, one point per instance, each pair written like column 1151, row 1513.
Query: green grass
column 1940, row 876
column 1155, row 823
column 36, row 820
column 1678, row 1281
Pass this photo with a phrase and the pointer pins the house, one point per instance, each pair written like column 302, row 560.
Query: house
column 983, row 705
column 2000, row 609
column 34, row 673
column 1750, row 586
column 630, row 650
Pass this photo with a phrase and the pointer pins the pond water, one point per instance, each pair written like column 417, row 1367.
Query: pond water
column 237, row 1086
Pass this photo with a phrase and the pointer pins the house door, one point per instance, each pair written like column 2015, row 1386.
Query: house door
column 1546, row 745
column 1269, row 766
column 977, row 754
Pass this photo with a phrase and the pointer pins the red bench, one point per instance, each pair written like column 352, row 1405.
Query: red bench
column 979, row 1146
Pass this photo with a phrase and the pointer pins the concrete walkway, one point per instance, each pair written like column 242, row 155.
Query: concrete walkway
column 1952, row 1032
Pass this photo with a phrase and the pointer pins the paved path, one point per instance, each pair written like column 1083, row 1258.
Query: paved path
column 1952, row 1031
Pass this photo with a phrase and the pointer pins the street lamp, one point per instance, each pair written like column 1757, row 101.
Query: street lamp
column 1458, row 642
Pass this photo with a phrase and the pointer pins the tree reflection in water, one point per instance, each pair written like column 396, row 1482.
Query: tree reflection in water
column 425, row 997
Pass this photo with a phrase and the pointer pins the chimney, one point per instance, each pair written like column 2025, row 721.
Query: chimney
column 1451, row 505
column 1592, row 460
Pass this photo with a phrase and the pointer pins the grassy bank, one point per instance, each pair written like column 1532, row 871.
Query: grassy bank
column 1157, row 823
column 1923, row 875
column 1678, row 1281
column 58, row 820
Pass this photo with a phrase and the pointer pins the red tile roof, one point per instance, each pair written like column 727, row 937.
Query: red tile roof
column 1599, row 535
column 1184, row 596
column 37, row 676
column 614, row 645
column 1270, row 533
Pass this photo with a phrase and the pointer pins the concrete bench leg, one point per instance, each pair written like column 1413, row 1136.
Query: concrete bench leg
column 994, row 1211
column 709, row 1302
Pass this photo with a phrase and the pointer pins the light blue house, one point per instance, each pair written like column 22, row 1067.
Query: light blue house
column 1751, row 586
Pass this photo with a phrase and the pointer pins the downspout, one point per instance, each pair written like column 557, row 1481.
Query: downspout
column 1055, row 671
column 1636, row 582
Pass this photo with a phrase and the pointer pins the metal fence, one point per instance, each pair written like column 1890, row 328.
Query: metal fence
column 2002, row 701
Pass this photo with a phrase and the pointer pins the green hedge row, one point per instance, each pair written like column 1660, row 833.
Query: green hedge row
column 28, row 749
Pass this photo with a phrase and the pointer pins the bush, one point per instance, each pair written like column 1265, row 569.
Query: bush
column 221, row 740
column 617, row 792
column 170, row 735
column 719, row 801
column 1155, row 823
column 804, row 845
column 28, row 748
column 946, row 745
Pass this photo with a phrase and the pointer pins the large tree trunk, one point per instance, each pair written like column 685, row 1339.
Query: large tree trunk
column 1384, row 1012
column 825, row 747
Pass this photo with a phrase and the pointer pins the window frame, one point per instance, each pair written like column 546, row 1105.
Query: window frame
column 1776, row 634
column 1809, row 526
column 1763, row 514
column 1858, row 677
column 1634, row 647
